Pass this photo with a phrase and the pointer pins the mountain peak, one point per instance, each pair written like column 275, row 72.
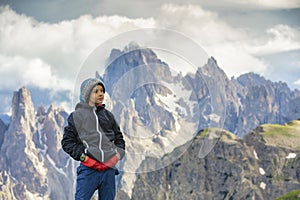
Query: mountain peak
column 120, row 62
column 30, row 151
column 212, row 68
column 22, row 105
column 252, row 78
column 116, row 53
column 40, row 110
column 132, row 46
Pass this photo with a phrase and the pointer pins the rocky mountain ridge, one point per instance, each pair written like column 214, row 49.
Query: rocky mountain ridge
column 259, row 167
column 242, row 103
column 33, row 165
column 250, row 99
column 236, row 168
column 3, row 128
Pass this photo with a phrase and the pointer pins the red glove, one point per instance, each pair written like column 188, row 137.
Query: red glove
column 112, row 161
column 100, row 166
column 91, row 163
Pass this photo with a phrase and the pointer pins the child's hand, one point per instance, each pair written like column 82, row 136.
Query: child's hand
column 112, row 161
column 89, row 162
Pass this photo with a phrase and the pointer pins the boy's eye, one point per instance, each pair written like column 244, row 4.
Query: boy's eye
column 96, row 91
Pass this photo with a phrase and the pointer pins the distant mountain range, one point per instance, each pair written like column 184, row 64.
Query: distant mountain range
column 251, row 100
column 265, row 162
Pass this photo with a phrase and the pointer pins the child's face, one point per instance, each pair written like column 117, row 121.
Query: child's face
column 96, row 96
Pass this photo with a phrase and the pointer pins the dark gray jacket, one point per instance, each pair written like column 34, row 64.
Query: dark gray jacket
column 94, row 131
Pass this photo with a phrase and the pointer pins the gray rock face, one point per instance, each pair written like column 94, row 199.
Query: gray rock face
column 18, row 150
column 136, row 73
column 280, row 162
column 251, row 100
column 6, row 186
column 234, row 169
column 32, row 162
column 3, row 128
column 261, row 101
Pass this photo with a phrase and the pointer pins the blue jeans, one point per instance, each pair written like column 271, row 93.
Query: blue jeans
column 90, row 180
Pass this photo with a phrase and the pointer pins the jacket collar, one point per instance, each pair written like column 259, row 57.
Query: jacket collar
column 87, row 106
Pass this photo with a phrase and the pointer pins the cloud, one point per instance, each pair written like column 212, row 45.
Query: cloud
column 237, row 50
column 18, row 71
column 196, row 22
column 218, row 38
column 262, row 4
column 49, row 55
column 297, row 82
column 234, row 60
column 279, row 38
column 65, row 45
column 55, row 11
column 42, row 52
column 280, row 4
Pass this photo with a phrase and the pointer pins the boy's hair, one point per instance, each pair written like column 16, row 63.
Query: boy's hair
column 87, row 87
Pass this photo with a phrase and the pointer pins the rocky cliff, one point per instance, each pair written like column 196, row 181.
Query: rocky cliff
column 32, row 164
column 3, row 128
column 251, row 100
column 259, row 101
column 256, row 167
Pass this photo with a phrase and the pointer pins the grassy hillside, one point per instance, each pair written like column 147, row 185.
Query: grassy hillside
column 293, row 195
column 287, row 135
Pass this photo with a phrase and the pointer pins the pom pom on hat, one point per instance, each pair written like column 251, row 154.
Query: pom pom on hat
column 86, row 88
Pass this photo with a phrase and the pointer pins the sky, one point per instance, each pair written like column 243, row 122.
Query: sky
column 44, row 43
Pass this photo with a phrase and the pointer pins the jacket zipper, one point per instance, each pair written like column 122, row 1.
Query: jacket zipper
column 97, row 127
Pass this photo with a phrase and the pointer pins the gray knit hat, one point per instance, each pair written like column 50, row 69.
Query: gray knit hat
column 86, row 88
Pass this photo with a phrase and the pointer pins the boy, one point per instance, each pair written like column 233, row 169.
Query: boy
column 93, row 137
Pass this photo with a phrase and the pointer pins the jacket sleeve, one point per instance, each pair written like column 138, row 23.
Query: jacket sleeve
column 71, row 142
column 118, row 141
